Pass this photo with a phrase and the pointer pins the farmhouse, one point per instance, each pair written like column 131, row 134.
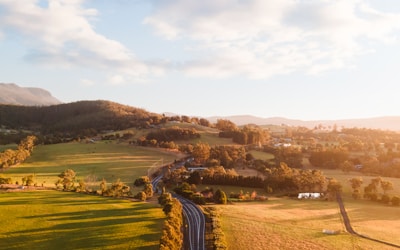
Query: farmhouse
column 310, row 195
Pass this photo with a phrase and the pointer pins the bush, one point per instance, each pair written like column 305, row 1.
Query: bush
column 5, row 180
column 395, row 201
column 356, row 194
column 385, row 199
column 141, row 196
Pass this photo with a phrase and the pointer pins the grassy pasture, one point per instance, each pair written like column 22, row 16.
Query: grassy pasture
column 103, row 160
column 64, row 220
column 343, row 178
column 289, row 224
column 262, row 155
column 8, row 146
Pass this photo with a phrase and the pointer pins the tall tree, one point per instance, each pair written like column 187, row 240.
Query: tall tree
column 201, row 152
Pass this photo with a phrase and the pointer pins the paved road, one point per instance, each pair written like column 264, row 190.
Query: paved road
column 195, row 222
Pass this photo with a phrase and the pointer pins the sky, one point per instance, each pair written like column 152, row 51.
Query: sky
column 299, row 59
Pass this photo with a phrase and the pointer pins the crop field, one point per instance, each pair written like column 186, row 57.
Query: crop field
column 282, row 223
column 97, row 161
column 64, row 220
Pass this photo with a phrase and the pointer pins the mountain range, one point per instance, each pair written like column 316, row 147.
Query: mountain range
column 26, row 96
column 11, row 93
column 384, row 123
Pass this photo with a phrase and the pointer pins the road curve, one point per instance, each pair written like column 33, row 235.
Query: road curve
column 195, row 224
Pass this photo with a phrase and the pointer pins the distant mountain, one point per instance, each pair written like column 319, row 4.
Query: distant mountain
column 384, row 123
column 11, row 93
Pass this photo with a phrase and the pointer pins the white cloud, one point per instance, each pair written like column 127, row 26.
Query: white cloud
column 116, row 80
column 87, row 82
column 61, row 33
column 262, row 38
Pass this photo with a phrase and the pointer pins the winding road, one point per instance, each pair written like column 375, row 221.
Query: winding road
column 195, row 222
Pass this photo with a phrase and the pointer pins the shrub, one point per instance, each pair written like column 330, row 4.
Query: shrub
column 395, row 201
column 385, row 199
column 141, row 196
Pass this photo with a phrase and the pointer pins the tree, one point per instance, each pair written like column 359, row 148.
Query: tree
column 148, row 190
column 118, row 189
column 386, row 186
column 333, row 188
column 395, row 201
column 141, row 196
column 103, row 186
column 201, row 152
column 226, row 125
column 194, row 178
column 67, row 179
column 141, row 181
column 220, row 197
column 356, row 184
column 346, row 166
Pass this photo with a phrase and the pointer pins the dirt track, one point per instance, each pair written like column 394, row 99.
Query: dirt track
column 349, row 228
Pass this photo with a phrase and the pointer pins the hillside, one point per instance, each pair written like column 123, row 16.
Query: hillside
column 16, row 95
column 83, row 117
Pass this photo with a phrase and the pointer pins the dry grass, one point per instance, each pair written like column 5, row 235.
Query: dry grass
column 288, row 224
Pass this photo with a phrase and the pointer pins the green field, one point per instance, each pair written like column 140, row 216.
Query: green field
column 260, row 155
column 64, row 220
column 293, row 224
column 101, row 160
column 8, row 146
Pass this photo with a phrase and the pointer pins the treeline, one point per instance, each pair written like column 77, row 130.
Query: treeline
column 12, row 157
column 328, row 159
column 371, row 191
column 239, row 180
column 244, row 136
column 172, row 234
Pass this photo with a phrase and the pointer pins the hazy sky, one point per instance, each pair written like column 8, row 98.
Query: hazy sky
column 302, row 59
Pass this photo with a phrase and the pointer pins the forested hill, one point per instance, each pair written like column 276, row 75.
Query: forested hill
column 83, row 117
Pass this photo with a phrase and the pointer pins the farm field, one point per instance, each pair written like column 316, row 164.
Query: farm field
column 262, row 155
column 8, row 146
column 343, row 178
column 98, row 160
column 64, row 220
column 283, row 223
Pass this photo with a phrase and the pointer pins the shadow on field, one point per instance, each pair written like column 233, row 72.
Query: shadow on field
column 120, row 227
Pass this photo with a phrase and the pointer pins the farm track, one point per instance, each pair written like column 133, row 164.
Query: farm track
column 350, row 229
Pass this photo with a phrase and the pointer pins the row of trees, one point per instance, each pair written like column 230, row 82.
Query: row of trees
column 249, row 134
column 67, row 181
column 371, row 191
column 12, row 157
column 172, row 234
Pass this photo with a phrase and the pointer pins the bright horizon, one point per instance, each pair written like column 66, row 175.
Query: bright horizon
column 298, row 59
